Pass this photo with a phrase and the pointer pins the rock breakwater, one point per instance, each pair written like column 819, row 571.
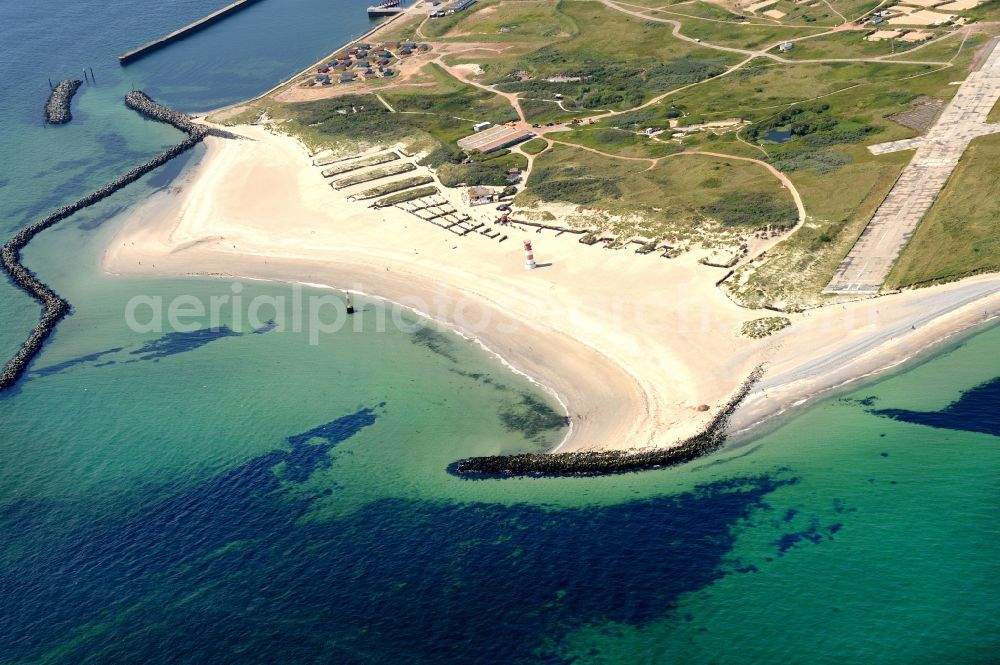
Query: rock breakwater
column 57, row 109
column 55, row 307
column 594, row 463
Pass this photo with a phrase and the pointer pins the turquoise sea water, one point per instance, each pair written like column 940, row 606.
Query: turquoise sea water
column 245, row 496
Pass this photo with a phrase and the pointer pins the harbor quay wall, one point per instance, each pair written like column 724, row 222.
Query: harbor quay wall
column 189, row 29
column 54, row 307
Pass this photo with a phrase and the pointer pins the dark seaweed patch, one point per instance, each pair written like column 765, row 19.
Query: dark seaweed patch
column 725, row 460
column 977, row 410
column 814, row 534
column 483, row 378
column 531, row 417
column 266, row 328
column 180, row 342
column 93, row 221
column 73, row 362
column 227, row 568
column 435, row 341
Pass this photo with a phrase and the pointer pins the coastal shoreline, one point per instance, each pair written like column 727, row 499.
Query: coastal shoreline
column 610, row 376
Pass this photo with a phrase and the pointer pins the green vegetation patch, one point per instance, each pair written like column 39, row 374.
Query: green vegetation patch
column 814, row 125
column 852, row 44
column 617, row 141
column 402, row 30
column 408, row 195
column 755, row 209
column 494, row 21
column 449, row 96
column 390, row 187
column 592, row 71
column 761, row 89
column 994, row 114
column 988, row 11
column 600, row 84
column 695, row 9
column 541, row 111
column 534, row 146
column 960, row 235
column 853, row 9
column 806, row 158
column 354, row 165
column 437, row 116
column 768, row 325
column 531, row 417
column 490, row 171
column 670, row 199
column 374, row 174
column 742, row 34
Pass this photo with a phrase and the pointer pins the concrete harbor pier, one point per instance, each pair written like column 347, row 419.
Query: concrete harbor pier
column 176, row 35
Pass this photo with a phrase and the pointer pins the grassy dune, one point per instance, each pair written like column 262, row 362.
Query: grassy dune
column 680, row 196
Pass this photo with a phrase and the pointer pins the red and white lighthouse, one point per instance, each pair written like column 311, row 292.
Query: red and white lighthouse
column 529, row 257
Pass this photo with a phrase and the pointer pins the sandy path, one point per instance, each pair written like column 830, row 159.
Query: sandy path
column 632, row 344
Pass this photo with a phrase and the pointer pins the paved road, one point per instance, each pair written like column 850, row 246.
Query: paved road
column 937, row 154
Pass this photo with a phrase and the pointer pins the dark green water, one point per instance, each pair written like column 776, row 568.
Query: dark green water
column 245, row 497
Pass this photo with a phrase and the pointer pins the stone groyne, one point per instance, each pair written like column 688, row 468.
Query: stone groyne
column 57, row 109
column 595, row 463
column 54, row 307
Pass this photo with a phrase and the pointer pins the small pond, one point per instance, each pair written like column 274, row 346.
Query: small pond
column 778, row 135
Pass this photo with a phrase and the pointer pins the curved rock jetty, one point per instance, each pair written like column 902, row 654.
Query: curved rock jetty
column 595, row 463
column 57, row 109
column 54, row 307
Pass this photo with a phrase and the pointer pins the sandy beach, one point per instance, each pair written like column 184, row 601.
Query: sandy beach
column 642, row 350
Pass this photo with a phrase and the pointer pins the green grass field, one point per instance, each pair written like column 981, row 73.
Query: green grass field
column 994, row 115
column 495, row 21
column 402, row 30
column 616, row 142
column 643, row 59
column 942, row 48
column 450, row 97
column 488, row 169
column 534, row 146
column 852, row 9
column 542, row 111
column 960, row 235
column 988, row 11
column 764, row 88
column 853, row 44
column 749, row 36
column 699, row 9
